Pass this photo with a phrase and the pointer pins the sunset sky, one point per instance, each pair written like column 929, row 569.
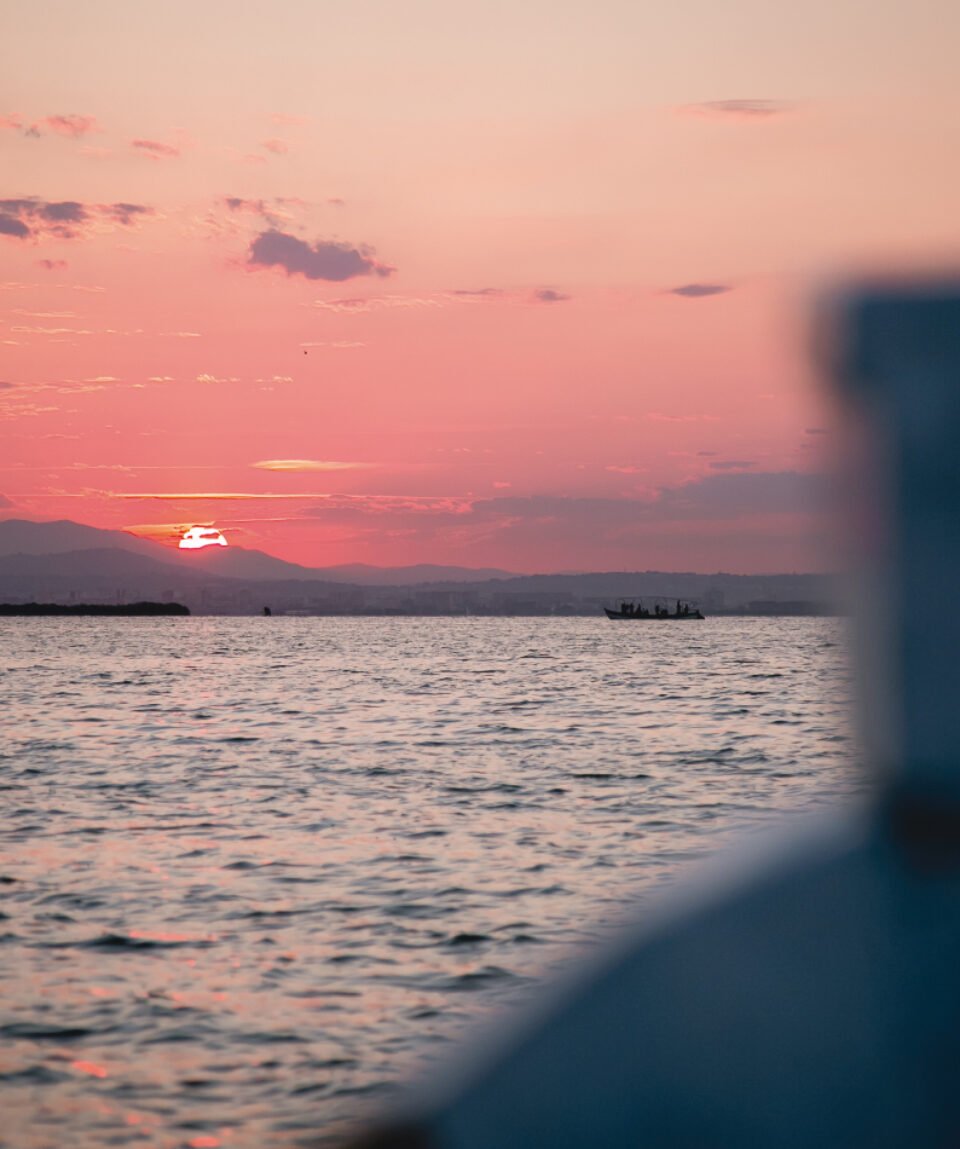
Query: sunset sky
column 518, row 284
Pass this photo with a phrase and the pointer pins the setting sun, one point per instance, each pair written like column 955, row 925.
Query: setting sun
column 198, row 537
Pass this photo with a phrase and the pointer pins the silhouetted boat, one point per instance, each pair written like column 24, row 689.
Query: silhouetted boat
column 641, row 614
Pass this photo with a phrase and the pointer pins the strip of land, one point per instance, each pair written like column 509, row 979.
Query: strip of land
column 135, row 609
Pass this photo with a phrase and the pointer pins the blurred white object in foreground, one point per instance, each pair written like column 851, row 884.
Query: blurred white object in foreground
column 810, row 997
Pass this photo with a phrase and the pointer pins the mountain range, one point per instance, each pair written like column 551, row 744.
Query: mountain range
column 23, row 536
column 69, row 562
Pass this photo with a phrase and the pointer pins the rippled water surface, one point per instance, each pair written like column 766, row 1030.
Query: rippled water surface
column 252, row 871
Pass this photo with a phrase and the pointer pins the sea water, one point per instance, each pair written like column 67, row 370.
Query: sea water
column 255, row 872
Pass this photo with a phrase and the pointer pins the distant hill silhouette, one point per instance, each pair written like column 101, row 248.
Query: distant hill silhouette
column 20, row 536
column 69, row 562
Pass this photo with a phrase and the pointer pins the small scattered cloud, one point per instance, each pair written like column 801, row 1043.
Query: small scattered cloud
column 160, row 379
column 205, row 377
column 276, row 146
column 815, row 431
column 628, row 469
column 276, row 379
column 326, row 259
column 336, row 200
column 53, row 264
column 732, row 464
column 36, row 219
column 5, row 502
column 300, row 465
column 479, row 292
column 549, row 295
column 5, row 386
column 699, row 290
column 71, row 126
column 237, row 205
column 126, row 213
column 739, row 109
column 155, row 149
column 181, row 334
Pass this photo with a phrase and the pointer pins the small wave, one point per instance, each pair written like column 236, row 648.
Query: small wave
column 111, row 942
column 467, row 939
column 33, row 1075
column 34, row 1031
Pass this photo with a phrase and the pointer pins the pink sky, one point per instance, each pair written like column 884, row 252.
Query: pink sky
column 501, row 284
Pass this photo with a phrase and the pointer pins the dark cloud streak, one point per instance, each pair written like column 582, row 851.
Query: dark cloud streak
column 740, row 109
column 700, row 290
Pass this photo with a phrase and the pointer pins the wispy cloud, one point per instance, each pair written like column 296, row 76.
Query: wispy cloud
column 549, row 295
column 272, row 212
column 277, row 146
column 125, row 213
column 699, row 290
column 376, row 302
column 212, row 496
column 739, row 109
column 155, row 149
column 44, row 314
column 71, row 126
column 298, row 465
column 325, row 259
column 50, row 331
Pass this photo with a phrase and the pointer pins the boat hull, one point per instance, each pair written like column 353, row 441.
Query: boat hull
column 619, row 615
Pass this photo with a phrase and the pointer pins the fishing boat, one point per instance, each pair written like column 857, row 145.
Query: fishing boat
column 637, row 612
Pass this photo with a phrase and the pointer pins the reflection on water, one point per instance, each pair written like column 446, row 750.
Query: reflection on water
column 254, row 871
